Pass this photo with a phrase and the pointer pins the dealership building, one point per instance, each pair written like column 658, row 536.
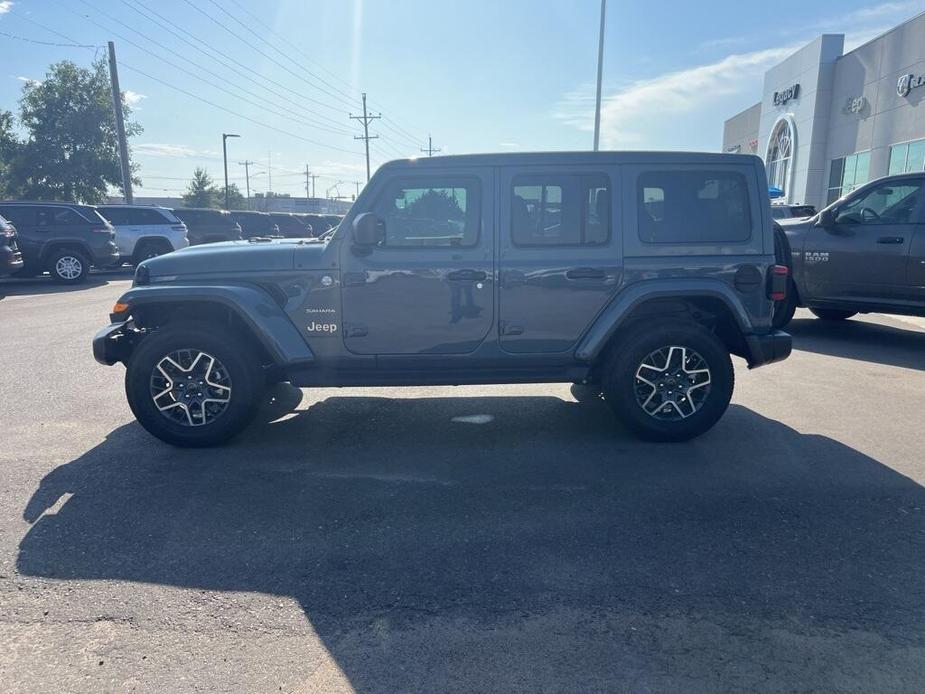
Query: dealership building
column 829, row 121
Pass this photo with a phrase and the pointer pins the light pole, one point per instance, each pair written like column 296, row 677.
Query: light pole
column 600, row 73
column 225, row 137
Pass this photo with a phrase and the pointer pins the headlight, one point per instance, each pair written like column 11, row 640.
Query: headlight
column 142, row 276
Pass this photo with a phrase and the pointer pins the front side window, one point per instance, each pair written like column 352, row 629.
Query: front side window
column 693, row 207
column 560, row 210
column 432, row 213
column 883, row 204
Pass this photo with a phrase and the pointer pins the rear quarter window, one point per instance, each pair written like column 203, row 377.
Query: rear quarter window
column 675, row 207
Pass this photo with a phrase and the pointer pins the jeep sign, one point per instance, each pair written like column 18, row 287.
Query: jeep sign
column 907, row 83
column 782, row 97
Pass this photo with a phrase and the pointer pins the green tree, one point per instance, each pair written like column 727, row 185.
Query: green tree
column 9, row 149
column 202, row 191
column 236, row 199
column 71, row 148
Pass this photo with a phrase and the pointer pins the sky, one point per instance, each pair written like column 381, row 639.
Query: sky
column 476, row 75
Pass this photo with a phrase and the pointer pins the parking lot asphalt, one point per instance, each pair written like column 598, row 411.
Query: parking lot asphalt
column 462, row 539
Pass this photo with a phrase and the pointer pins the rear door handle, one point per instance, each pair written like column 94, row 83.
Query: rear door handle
column 586, row 273
column 891, row 239
column 467, row 275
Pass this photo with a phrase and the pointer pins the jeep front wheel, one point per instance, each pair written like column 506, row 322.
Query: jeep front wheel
column 669, row 381
column 191, row 386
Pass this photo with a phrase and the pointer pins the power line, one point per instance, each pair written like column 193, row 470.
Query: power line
column 235, row 113
column 334, row 128
column 48, row 43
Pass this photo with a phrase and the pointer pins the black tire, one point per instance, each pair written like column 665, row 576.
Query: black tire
column 149, row 249
column 784, row 310
column 238, row 362
column 621, row 386
column 587, row 392
column 832, row 313
column 68, row 266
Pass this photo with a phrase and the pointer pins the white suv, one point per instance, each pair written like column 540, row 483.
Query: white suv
column 144, row 231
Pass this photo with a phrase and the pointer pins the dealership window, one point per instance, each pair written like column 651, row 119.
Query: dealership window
column 907, row 157
column 780, row 155
column 846, row 174
column 693, row 207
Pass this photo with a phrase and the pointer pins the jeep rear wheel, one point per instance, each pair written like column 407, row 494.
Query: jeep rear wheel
column 191, row 386
column 669, row 381
column 69, row 266
column 832, row 313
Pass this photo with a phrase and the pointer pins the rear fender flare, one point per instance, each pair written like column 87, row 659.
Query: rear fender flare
column 621, row 308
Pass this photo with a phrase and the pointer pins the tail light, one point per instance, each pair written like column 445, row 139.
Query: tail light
column 777, row 282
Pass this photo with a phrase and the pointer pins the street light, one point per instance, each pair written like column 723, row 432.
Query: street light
column 225, row 137
column 600, row 72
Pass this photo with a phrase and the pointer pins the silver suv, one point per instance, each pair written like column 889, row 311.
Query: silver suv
column 144, row 231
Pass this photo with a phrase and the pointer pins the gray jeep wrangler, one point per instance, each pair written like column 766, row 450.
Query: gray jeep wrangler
column 636, row 275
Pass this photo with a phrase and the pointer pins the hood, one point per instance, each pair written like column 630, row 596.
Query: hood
column 236, row 256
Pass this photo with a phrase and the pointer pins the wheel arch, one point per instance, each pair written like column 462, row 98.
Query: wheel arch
column 250, row 311
column 709, row 303
column 53, row 246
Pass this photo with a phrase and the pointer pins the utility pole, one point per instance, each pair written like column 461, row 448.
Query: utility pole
column 225, row 137
column 357, row 184
column 247, row 179
column 430, row 149
column 308, row 178
column 120, row 126
column 313, row 177
column 366, row 119
column 600, row 74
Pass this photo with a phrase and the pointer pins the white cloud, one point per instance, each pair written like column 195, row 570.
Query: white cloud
column 630, row 111
column 156, row 149
column 28, row 80
column 5, row 6
column 509, row 145
column 133, row 98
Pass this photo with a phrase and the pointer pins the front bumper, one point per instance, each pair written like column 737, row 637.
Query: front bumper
column 113, row 343
column 767, row 349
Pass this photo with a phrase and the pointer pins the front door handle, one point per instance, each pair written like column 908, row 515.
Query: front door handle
column 891, row 239
column 586, row 273
column 467, row 275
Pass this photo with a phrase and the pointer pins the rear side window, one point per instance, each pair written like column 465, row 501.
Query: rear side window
column 20, row 216
column 432, row 213
column 693, row 207
column 146, row 217
column 560, row 210
column 58, row 216
column 117, row 216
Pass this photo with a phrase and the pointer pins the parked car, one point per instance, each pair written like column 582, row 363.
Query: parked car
column 144, row 231
column 255, row 223
column 10, row 257
column 319, row 223
column 64, row 239
column 291, row 226
column 783, row 211
column 864, row 253
column 205, row 225
column 638, row 274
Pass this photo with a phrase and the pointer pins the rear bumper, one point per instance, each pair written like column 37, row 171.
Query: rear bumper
column 106, row 256
column 767, row 349
column 113, row 343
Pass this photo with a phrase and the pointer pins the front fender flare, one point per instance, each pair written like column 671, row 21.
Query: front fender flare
column 267, row 321
column 614, row 316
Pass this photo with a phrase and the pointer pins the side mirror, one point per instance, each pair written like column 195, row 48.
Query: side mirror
column 827, row 218
column 368, row 230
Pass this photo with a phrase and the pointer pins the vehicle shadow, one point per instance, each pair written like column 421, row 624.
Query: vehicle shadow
column 855, row 339
column 44, row 284
column 515, row 543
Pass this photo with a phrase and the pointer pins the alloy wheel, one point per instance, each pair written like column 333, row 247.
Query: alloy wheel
column 672, row 383
column 190, row 387
column 69, row 267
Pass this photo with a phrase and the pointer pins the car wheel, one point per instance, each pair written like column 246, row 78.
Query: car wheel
column 69, row 266
column 669, row 381
column 192, row 386
column 784, row 310
column 148, row 249
column 832, row 313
